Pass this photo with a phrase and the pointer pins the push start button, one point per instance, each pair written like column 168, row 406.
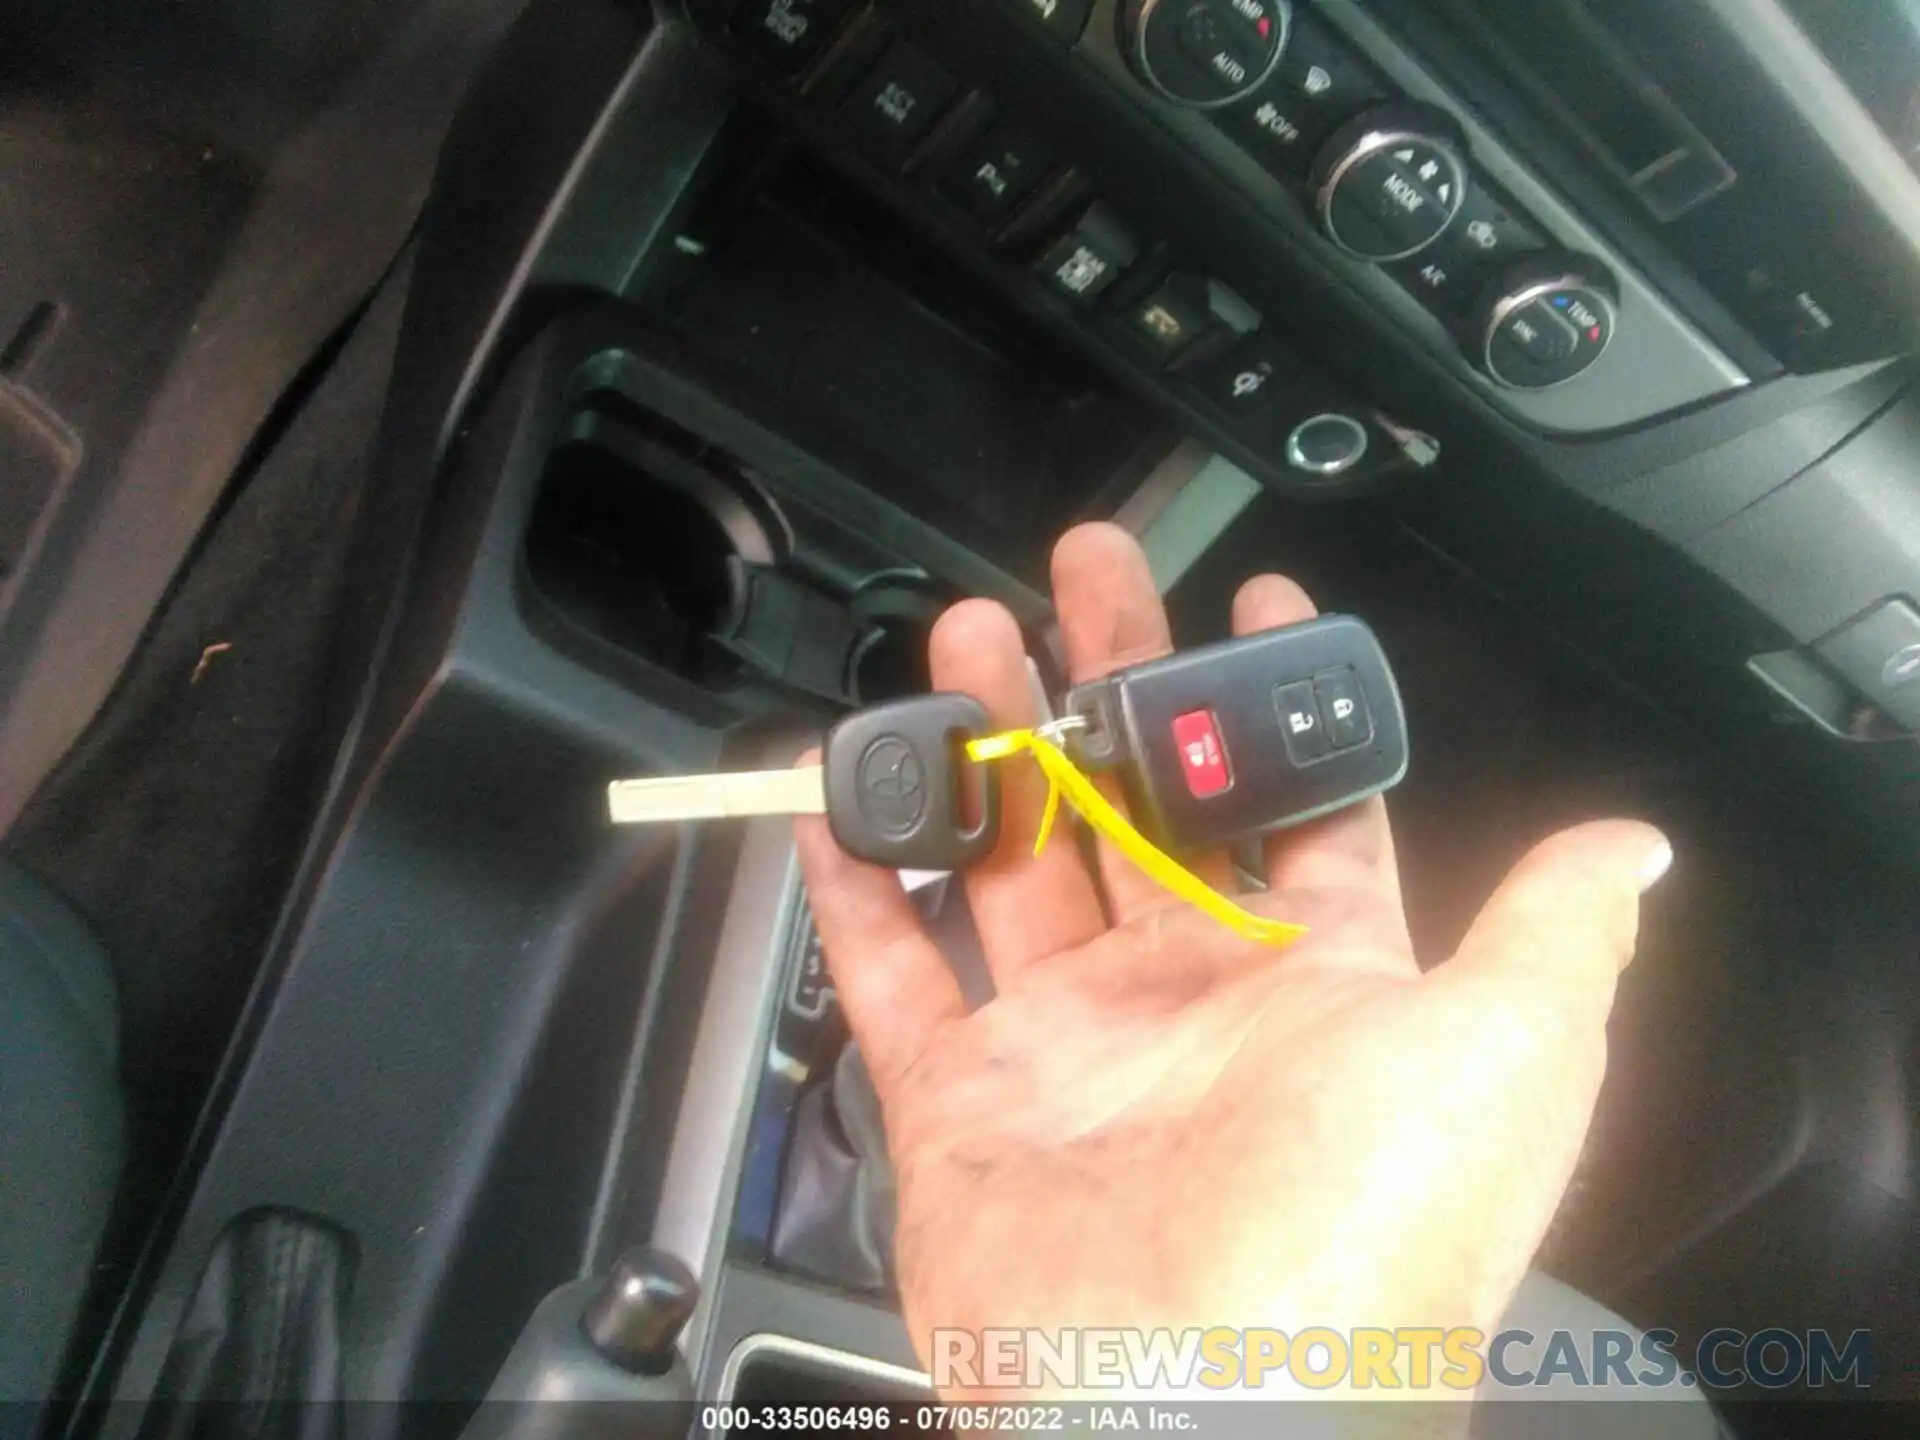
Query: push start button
column 1203, row 755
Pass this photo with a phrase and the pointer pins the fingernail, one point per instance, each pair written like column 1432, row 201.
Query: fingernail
column 1654, row 868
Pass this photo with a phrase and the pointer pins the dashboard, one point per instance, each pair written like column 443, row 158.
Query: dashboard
column 1303, row 152
column 1167, row 177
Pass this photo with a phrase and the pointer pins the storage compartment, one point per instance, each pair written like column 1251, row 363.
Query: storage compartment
column 830, row 320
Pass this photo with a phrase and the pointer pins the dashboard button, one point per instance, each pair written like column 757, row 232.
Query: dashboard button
column 1391, row 181
column 1174, row 315
column 789, row 33
column 1327, row 445
column 1268, row 128
column 997, row 172
column 1484, row 239
column 1331, row 82
column 1487, row 235
column 1206, row 53
column 1397, row 192
column 1539, row 335
column 1062, row 19
column 1318, row 86
column 1242, row 382
column 895, row 106
column 1084, row 262
column 1443, row 284
column 1218, row 46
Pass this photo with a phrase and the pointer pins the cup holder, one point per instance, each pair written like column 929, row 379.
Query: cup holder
column 898, row 613
column 636, row 544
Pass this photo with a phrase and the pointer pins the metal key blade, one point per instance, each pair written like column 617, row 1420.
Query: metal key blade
column 717, row 797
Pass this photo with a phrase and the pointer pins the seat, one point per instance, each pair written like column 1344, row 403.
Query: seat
column 62, row 1126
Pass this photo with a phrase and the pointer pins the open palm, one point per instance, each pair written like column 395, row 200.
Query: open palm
column 1158, row 1123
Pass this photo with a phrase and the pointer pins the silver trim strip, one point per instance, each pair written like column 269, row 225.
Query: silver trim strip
column 1163, row 486
column 1185, row 526
column 735, row 1028
column 764, row 1342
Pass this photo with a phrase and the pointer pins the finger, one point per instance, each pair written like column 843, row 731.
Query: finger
column 1025, row 906
column 1562, row 926
column 896, row 988
column 1351, row 849
column 1111, row 617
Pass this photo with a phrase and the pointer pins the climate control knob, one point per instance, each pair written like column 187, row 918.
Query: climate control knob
column 1206, row 53
column 1545, row 322
column 1388, row 184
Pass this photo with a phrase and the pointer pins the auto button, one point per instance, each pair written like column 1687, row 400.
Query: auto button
column 1318, row 86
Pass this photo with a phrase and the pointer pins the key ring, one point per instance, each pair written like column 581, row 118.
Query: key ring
column 1055, row 730
column 1065, row 781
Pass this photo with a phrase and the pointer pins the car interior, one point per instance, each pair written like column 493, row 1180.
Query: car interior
column 414, row 417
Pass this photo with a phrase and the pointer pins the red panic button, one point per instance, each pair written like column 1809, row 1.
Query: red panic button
column 1203, row 755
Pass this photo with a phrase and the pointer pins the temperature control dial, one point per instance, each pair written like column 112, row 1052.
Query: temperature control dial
column 1206, row 53
column 1390, row 183
column 1546, row 322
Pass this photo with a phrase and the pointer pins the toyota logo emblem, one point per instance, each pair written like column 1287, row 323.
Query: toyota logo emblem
column 893, row 786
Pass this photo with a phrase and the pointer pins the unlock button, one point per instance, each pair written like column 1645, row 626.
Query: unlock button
column 1343, row 709
column 1300, row 722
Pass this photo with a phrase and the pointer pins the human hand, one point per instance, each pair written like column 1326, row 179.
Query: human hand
column 1156, row 1123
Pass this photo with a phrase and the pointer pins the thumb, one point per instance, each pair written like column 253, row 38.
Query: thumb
column 1566, row 919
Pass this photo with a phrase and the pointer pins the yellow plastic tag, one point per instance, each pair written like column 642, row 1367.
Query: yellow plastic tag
column 1064, row 778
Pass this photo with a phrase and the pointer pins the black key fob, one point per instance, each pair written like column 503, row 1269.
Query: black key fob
column 1229, row 741
column 895, row 779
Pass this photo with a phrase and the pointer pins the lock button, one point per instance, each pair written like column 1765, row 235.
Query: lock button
column 1300, row 722
column 1343, row 709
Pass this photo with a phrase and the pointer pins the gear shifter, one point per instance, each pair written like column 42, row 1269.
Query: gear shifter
column 835, row 1221
column 836, row 1214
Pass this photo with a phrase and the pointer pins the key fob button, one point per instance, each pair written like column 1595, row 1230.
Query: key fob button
column 1300, row 722
column 1203, row 754
column 1343, row 709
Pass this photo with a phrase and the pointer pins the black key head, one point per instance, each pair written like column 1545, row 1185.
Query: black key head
column 896, row 778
